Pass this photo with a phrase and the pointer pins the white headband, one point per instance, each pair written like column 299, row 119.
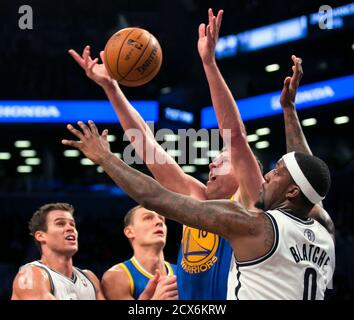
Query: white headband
column 300, row 179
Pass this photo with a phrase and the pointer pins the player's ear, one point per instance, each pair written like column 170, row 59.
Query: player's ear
column 293, row 192
column 129, row 232
column 40, row 236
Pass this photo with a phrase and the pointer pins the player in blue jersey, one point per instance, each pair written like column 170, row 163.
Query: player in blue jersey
column 204, row 258
column 146, row 231
column 202, row 275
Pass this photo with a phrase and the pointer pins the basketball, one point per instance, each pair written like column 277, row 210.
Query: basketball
column 133, row 56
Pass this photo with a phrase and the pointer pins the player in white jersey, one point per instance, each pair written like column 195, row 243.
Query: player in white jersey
column 298, row 182
column 300, row 260
column 299, row 265
column 54, row 276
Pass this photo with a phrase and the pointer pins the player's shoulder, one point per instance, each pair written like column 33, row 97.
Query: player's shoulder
column 31, row 281
column 116, row 273
column 117, row 283
column 34, row 272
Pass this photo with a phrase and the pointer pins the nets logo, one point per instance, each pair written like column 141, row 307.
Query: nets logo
column 309, row 234
column 199, row 248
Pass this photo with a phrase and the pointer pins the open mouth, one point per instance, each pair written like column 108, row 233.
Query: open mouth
column 70, row 238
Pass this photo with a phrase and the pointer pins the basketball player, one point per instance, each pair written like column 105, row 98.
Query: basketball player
column 54, row 276
column 280, row 252
column 200, row 275
column 146, row 231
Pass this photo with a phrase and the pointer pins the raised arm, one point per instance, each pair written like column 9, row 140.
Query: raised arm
column 242, row 158
column 31, row 283
column 295, row 138
column 167, row 171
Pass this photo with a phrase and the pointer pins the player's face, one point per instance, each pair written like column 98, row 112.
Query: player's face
column 61, row 235
column 148, row 228
column 222, row 183
column 274, row 189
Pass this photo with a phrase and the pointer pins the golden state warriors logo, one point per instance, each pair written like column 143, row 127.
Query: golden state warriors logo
column 199, row 248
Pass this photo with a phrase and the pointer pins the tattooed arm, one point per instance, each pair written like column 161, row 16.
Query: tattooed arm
column 295, row 138
column 226, row 218
column 250, row 233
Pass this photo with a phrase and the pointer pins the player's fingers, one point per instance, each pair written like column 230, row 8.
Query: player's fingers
column 85, row 128
column 218, row 21
column 171, row 287
column 83, row 50
column 149, row 290
column 157, row 272
column 85, row 55
column 77, row 58
column 75, row 132
column 104, row 134
column 213, row 29
column 102, row 56
column 163, row 282
column 170, row 280
column 287, row 81
column 210, row 16
column 172, row 295
column 91, row 65
column 201, row 30
column 299, row 69
column 151, row 286
column 93, row 127
column 71, row 143
column 208, row 33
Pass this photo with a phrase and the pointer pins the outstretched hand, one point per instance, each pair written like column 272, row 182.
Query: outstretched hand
column 291, row 84
column 94, row 70
column 93, row 145
column 208, row 37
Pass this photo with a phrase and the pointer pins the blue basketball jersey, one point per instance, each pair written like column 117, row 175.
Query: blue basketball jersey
column 203, row 266
column 139, row 277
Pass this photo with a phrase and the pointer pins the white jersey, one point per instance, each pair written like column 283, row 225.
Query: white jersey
column 80, row 287
column 299, row 266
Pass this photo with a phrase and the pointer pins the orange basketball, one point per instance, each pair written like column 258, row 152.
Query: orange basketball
column 133, row 56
